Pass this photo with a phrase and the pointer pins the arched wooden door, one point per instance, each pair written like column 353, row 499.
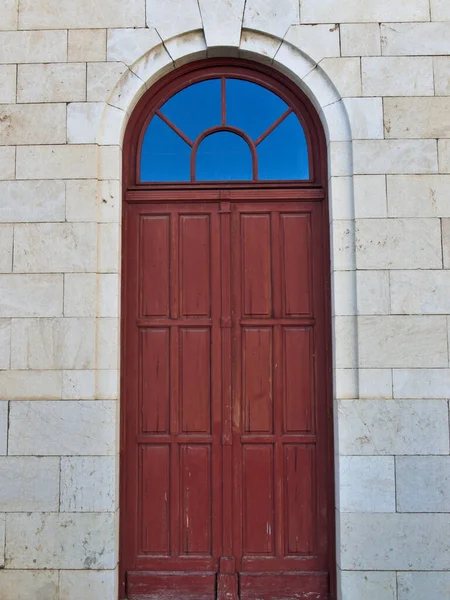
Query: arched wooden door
column 226, row 466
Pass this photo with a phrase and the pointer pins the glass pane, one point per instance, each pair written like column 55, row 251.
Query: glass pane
column 195, row 108
column 223, row 156
column 164, row 155
column 251, row 107
column 283, row 154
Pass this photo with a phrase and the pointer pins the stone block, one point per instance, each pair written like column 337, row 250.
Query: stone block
column 418, row 195
column 102, row 79
column 78, row 385
column 108, row 343
column 420, row 292
column 355, row 11
column 87, row 585
column 368, row 585
column 31, row 295
column 88, row 484
column 29, row 484
column 387, row 427
column 60, row 541
column 87, row 45
column 341, row 158
column 9, row 14
column 2, row 540
column 28, row 585
column 64, row 14
column 370, row 196
column 345, row 73
column 161, row 16
column 33, row 46
column 345, row 383
column 398, row 244
column 345, row 342
column 384, row 542
column 107, row 384
column 375, row 383
column 32, row 124
column 417, row 117
column 81, row 200
column 343, row 245
column 34, row 247
column 30, row 385
column 446, row 242
column 253, row 42
column 67, row 162
column 109, row 247
column 421, row 383
column 222, row 22
column 360, row 39
column 316, row 41
column 83, row 122
column 58, row 343
column 57, row 82
column 397, row 76
column 402, row 342
column 7, row 84
column 3, row 435
column 6, row 248
column 372, row 157
column 440, row 10
column 5, row 342
column 444, row 156
column 69, row 428
column 7, row 162
column 366, row 117
column 342, row 193
column 416, row 586
column 415, row 39
column 28, row 201
column 110, row 201
column 127, row 45
column 430, row 475
column 441, row 65
column 108, row 295
column 80, row 294
column 109, row 162
column 344, row 292
column 366, row 484
column 372, row 292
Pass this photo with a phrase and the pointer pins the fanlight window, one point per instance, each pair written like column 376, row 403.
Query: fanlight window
column 224, row 129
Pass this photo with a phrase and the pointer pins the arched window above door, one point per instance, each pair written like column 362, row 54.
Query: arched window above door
column 224, row 129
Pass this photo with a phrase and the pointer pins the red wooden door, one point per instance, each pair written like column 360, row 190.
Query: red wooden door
column 226, row 434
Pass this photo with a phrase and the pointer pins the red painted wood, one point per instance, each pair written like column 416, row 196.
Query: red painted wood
column 226, row 480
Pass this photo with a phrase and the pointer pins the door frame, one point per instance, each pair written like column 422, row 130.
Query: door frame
column 313, row 190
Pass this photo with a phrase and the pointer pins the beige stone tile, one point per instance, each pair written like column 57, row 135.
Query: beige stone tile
column 28, row 585
column 402, row 341
column 33, row 46
column 360, row 39
column 110, row 201
column 354, row 11
column 394, row 541
column 30, row 385
column 108, row 343
column 375, row 383
column 397, row 76
column 83, row 122
column 57, row 343
column 418, row 195
column 366, row 484
column 416, row 586
column 108, row 295
column 161, row 16
column 316, row 41
column 343, row 245
column 446, row 242
column 67, row 162
column 32, row 201
column 372, row 292
column 222, row 22
column 7, row 84
column 440, row 10
column 108, row 247
column 342, row 205
column 86, row 585
column 34, row 247
column 7, row 162
column 87, row 45
column 372, row 157
column 430, row 475
column 102, row 78
column 272, row 18
column 417, row 117
column 2, row 540
column 32, row 124
column 80, row 294
column 9, row 14
column 421, row 383
column 415, row 39
column 444, row 156
column 253, row 42
column 388, row 427
column 3, row 438
column 31, row 295
column 398, row 244
column 88, row 484
column 441, row 66
column 370, row 196
column 345, row 73
column 78, row 385
column 55, row 82
column 29, row 484
column 5, row 343
column 58, row 541
column 420, row 292
column 81, row 200
column 127, row 45
column 6, row 248
column 344, row 292
column 345, row 383
column 369, row 585
column 366, row 117
column 321, row 89
column 69, row 428
column 345, row 342
column 107, row 384
column 64, row 14
column 110, row 162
